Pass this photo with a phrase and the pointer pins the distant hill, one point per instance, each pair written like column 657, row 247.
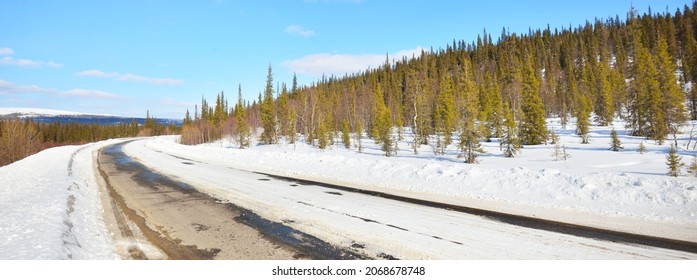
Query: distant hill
column 48, row 116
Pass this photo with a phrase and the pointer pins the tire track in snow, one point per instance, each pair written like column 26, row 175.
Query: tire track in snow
column 70, row 241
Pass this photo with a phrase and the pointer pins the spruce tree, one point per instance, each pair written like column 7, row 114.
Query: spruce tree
column 510, row 143
column 692, row 168
column 322, row 134
column 187, row 119
column 672, row 98
column 642, row 148
column 283, row 109
column 582, row 116
column 533, row 130
column 268, row 118
column 674, row 161
column 243, row 132
column 445, row 114
column 604, row 107
column 616, row 144
column 469, row 137
column 345, row 134
column 553, row 137
column 646, row 118
column 382, row 122
column 359, row 136
column 558, row 152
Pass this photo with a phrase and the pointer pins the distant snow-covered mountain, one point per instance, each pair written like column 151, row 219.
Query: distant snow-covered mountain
column 32, row 112
column 49, row 116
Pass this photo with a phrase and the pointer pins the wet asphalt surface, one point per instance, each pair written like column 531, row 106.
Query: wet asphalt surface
column 307, row 246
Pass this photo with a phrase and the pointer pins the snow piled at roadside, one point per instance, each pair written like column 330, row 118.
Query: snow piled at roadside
column 594, row 184
column 51, row 207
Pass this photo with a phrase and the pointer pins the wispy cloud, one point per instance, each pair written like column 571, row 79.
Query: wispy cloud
column 28, row 63
column 334, row 1
column 8, row 88
column 97, row 74
column 300, row 31
column 8, row 59
column 6, row 51
column 89, row 93
column 129, row 77
column 339, row 64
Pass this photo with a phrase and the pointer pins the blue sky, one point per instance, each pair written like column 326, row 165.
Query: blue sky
column 125, row 57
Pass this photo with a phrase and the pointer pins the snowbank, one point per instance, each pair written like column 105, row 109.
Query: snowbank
column 51, row 207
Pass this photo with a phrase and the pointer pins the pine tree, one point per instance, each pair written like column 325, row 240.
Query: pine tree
column 494, row 117
column 187, row 119
column 616, row 144
column 553, row 137
column 345, row 134
column 582, row 116
column 510, row 141
column 268, row 118
column 533, row 129
column 359, row 136
column 646, row 116
column 292, row 126
column 674, row 161
column 445, row 114
column 642, row 148
column 692, row 168
column 323, row 139
column 672, row 98
column 604, row 107
column 283, row 109
column 382, row 122
column 240, row 114
column 469, row 136
column 558, row 153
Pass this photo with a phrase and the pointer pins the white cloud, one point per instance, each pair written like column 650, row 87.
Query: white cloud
column 340, row 64
column 300, row 31
column 27, row 63
column 7, row 88
column 154, row 81
column 334, row 1
column 54, row 64
column 129, row 77
column 6, row 51
column 12, row 88
column 89, row 93
column 97, row 73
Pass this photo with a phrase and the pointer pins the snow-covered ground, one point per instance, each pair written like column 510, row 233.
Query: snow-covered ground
column 51, row 208
column 624, row 190
column 379, row 227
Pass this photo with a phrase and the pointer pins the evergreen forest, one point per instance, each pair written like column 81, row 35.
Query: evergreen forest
column 639, row 69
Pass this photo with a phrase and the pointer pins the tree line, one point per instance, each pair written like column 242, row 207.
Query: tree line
column 638, row 70
column 20, row 138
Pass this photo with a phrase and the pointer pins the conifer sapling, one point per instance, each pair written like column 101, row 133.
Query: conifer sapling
column 616, row 144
